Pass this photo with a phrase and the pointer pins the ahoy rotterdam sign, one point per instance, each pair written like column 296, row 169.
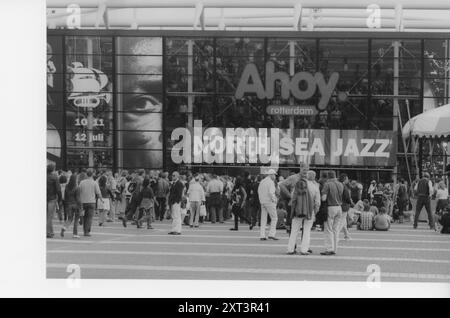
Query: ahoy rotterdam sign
column 251, row 82
column 274, row 146
column 278, row 146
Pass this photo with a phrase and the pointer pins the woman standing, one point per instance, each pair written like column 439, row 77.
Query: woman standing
column 402, row 200
column 238, row 198
column 146, row 204
column 72, row 206
column 103, row 205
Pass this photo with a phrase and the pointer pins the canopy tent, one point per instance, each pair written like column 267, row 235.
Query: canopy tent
column 434, row 123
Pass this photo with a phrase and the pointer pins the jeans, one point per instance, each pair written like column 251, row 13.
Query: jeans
column 268, row 209
column 88, row 215
column 216, row 210
column 344, row 225
column 255, row 211
column 131, row 208
column 238, row 212
column 160, row 208
column 424, row 202
column 176, row 217
column 73, row 215
column 332, row 228
column 114, row 205
column 145, row 215
column 51, row 209
column 195, row 213
column 296, row 224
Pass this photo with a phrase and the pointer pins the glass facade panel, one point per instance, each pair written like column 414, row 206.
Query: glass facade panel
column 111, row 103
column 139, row 102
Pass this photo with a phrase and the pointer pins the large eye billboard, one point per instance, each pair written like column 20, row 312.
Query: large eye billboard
column 139, row 102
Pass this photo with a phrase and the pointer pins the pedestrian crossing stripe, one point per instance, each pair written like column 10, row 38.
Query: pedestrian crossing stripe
column 262, row 244
column 242, row 255
column 256, row 236
column 275, row 271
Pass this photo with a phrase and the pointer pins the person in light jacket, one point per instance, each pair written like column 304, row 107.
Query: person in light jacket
column 268, row 200
column 196, row 196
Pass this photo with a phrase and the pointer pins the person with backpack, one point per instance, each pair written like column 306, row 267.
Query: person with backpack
column 146, row 205
column 286, row 188
column 239, row 197
column 332, row 193
column 305, row 203
column 424, row 190
column 134, row 188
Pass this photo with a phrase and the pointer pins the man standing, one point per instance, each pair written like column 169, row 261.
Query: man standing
column 268, row 200
column 332, row 193
column 215, row 189
column 54, row 197
column 286, row 188
column 347, row 203
column 89, row 191
column 304, row 205
column 424, row 190
column 175, row 198
column 162, row 191
column 196, row 197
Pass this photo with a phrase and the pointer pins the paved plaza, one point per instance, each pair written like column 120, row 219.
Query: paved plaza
column 212, row 252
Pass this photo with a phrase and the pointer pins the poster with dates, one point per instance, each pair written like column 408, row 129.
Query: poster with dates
column 89, row 111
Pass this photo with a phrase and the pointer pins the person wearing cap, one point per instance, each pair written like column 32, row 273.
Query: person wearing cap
column 372, row 189
column 268, row 201
column 424, row 190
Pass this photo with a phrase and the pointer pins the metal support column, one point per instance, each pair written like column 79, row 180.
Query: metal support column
column 190, row 86
column 90, row 115
column 396, row 45
column 291, row 73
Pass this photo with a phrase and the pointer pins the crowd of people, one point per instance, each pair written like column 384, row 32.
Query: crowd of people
column 299, row 204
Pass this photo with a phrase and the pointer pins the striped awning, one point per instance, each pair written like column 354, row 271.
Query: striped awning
column 434, row 123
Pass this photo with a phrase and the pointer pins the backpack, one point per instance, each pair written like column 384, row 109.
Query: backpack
column 402, row 195
column 302, row 202
column 131, row 187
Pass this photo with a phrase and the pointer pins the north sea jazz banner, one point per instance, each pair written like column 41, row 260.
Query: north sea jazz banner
column 213, row 145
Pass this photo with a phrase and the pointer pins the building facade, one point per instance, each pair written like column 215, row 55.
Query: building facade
column 150, row 99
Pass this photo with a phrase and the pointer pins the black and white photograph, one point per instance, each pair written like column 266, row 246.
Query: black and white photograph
column 251, row 141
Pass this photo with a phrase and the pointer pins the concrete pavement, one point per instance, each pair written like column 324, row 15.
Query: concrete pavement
column 213, row 252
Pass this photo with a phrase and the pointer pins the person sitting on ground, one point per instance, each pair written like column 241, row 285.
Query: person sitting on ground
column 365, row 222
column 382, row 221
column 282, row 214
column 374, row 210
column 444, row 220
column 359, row 206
